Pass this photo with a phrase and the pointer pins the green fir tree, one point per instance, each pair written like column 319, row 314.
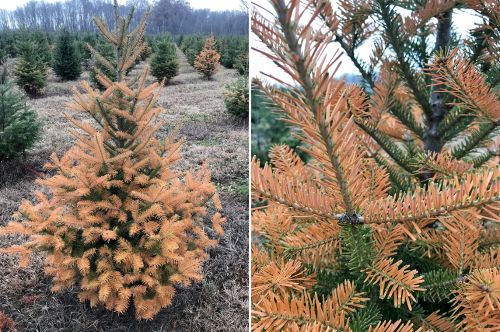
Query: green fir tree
column 236, row 97
column 31, row 69
column 19, row 127
column 164, row 64
column 67, row 62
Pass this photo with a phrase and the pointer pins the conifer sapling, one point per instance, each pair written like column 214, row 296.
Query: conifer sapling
column 121, row 223
column 236, row 97
column 164, row 64
column 66, row 60
column 207, row 62
column 31, row 70
column 19, row 126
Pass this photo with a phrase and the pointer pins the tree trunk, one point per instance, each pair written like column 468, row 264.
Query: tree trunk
column 432, row 140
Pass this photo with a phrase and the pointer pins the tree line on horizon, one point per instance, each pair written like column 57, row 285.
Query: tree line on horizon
column 174, row 16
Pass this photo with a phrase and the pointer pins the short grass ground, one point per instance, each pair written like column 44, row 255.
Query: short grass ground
column 220, row 302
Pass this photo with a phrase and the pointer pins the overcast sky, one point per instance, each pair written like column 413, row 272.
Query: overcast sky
column 463, row 23
column 214, row 5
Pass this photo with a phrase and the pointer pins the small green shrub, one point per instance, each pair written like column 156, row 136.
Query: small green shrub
column 191, row 46
column 230, row 49
column 42, row 41
column 19, row 126
column 8, row 42
column 31, row 69
column 241, row 64
column 236, row 97
column 164, row 64
column 67, row 64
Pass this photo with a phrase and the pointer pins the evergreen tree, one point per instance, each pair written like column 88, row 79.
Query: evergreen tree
column 3, row 56
column 207, row 62
column 8, row 42
column 236, row 97
column 422, row 115
column 242, row 64
column 338, row 251
column 191, row 46
column 31, row 69
column 41, row 39
column 229, row 51
column 67, row 62
column 19, row 127
column 122, row 222
column 164, row 64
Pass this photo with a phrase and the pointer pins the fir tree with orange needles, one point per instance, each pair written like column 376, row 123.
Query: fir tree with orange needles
column 381, row 229
column 207, row 62
column 120, row 222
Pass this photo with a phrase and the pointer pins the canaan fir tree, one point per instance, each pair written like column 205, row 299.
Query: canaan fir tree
column 42, row 39
column 164, row 64
column 228, row 48
column 207, row 62
column 337, row 251
column 19, row 126
column 31, row 69
column 120, row 222
column 191, row 46
column 236, row 97
column 242, row 63
column 66, row 60
column 431, row 73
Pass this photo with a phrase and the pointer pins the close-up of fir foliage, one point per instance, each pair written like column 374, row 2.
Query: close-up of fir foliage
column 104, row 65
column 66, row 59
column 164, row 63
column 207, row 61
column 19, row 126
column 391, row 222
column 118, row 219
column 31, row 70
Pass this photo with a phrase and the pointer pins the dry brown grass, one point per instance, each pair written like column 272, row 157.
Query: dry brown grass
column 220, row 302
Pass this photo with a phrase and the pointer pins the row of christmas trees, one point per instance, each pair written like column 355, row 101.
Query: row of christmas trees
column 18, row 125
column 233, row 50
column 68, row 53
column 207, row 61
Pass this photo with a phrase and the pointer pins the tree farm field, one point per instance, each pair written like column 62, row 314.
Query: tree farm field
column 194, row 105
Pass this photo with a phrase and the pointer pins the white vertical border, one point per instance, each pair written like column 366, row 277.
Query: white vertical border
column 250, row 9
